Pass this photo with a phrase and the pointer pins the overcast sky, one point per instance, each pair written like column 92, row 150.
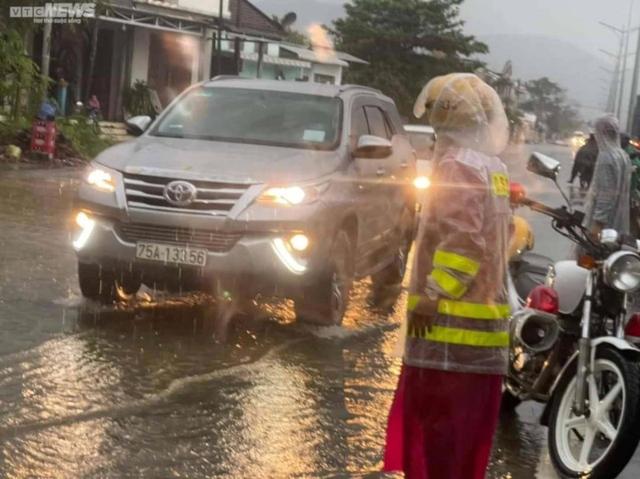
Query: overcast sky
column 568, row 21
column 575, row 21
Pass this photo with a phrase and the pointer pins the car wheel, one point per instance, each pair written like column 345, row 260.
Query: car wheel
column 325, row 302
column 106, row 286
column 393, row 273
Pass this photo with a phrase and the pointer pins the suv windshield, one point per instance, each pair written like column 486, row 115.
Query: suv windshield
column 255, row 116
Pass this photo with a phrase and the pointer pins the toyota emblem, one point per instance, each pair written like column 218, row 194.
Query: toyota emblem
column 180, row 193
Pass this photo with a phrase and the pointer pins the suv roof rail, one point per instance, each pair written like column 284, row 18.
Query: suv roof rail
column 360, row 87
column 225, row 77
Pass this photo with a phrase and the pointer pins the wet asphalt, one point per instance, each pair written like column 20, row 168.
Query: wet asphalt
column 145, row 390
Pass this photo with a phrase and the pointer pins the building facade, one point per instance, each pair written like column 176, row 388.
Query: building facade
column 172, row 44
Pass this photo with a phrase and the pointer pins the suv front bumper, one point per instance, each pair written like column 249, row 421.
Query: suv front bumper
column 262, row 257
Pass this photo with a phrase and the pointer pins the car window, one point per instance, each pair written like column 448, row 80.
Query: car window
column 359, row 124
column 377, row 124
column 255, row 116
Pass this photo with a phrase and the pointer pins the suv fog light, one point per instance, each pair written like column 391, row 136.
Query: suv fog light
column 287, row 259
column 86, row 225
column 299, row 242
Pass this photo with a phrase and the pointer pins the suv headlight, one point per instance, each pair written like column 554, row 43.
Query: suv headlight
column 622, row 271
column 101, row 179
column 292, row 195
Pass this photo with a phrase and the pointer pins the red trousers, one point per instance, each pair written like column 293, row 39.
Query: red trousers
column 441, row 424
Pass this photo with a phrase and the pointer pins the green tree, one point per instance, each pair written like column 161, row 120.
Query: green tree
column 406, row 43
column 549, row 102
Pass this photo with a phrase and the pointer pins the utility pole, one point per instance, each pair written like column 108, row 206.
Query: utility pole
column 615, row 81
column 618, row 71
column 219, row 56
column 624, row 60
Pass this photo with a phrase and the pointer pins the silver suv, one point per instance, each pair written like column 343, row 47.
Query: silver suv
column 293, row 189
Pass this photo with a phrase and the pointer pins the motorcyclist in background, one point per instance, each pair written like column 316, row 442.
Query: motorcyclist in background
column 446, row 407
column 608, row 199
column 585, row 162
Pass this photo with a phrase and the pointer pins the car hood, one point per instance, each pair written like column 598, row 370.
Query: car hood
column 220, row 161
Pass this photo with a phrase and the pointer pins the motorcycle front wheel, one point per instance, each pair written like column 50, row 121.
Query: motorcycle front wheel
column 600, row 443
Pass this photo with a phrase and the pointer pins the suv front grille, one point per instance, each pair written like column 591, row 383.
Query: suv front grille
column 214, row 241
column 212, row 198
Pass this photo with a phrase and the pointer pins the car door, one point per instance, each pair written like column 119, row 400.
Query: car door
column 392, row 174
column 403, row 164
column 368, row 176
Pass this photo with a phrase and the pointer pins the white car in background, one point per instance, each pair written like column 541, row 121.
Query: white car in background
column 423, row 140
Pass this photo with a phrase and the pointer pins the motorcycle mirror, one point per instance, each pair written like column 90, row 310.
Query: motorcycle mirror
column 609, row 237
column 517, row 193
column 543, row 165
column 547, row 167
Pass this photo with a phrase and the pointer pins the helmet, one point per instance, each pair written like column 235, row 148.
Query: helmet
column 467, row 110
column 522, row 238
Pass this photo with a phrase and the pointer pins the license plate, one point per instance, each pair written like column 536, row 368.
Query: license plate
column 164, row 253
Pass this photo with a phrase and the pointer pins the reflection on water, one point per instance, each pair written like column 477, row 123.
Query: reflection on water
column 277, row 398
column 147, row 390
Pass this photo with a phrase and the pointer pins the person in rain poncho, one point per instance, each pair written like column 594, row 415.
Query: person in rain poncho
column 446, row 406
column 585, row 162
column 608, row 201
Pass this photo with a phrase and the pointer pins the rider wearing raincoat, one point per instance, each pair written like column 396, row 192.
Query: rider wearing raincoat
column 608, row 201
column 446, row 407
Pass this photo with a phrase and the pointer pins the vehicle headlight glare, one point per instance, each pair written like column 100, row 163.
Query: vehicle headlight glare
column 101, row 180
column 293, row 195
column 422, row 183
column 622, row 271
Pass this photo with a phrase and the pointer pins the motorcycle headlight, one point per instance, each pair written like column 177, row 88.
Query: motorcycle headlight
column 622, row 271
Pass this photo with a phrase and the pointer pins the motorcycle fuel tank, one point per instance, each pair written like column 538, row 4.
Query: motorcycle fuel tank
column 569, row 282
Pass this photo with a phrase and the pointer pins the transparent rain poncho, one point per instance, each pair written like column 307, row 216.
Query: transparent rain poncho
column 460, row 215
column 608, row 198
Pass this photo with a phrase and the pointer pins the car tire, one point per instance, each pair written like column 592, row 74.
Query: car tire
column 325, row 302
column 103, row 285
column 393, row 274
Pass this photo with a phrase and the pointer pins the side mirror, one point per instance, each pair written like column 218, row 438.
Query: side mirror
column 543, row 165
column 373, row 147
column 137, row 125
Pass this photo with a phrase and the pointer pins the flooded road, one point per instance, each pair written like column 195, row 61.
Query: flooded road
column 145, row 390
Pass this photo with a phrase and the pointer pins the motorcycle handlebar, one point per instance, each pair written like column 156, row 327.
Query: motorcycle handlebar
column 559, row 214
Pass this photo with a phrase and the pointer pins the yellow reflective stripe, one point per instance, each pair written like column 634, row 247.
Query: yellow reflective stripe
column 446, row 259
column 473, row 310
column 412, row 301
column 467, row 337
column 449, row 284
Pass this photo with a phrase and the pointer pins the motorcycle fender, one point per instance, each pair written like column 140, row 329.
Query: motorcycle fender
column 570, row 282
column 620, row 344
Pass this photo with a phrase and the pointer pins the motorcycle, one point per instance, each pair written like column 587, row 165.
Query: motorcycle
column 572, row 345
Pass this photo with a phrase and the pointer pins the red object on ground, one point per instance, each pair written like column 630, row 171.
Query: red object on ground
column 43, row 137
column 441, row 424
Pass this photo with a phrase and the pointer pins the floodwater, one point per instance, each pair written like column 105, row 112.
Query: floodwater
column 146, row 390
